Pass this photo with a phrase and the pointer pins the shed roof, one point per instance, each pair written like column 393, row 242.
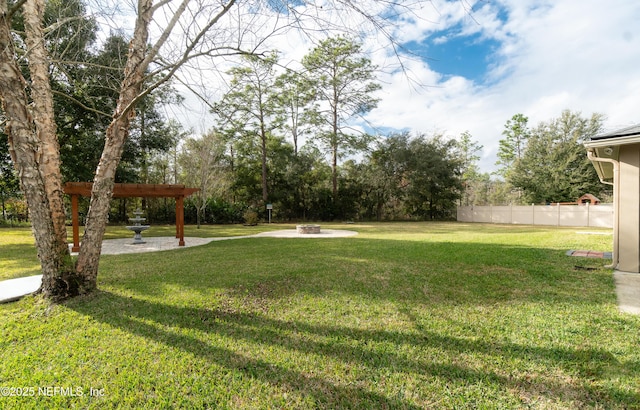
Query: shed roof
column 589, row 197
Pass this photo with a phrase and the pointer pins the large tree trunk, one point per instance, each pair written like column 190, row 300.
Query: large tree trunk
column 44, row 116
column 34, row 149
column 62, row 284
column 32, row 139
column 116, row 136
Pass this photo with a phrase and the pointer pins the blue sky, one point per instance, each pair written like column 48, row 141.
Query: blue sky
column 517, row 56
column 476, row 63
column 452, row 52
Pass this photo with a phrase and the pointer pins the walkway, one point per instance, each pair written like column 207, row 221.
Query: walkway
column 627, row 284
column 628, row 291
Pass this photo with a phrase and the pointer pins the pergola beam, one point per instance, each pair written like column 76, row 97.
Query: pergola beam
column 179, row 192
column 133, row 190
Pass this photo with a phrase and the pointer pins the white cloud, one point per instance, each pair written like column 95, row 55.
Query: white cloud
column 552, row 55
column 570, row 54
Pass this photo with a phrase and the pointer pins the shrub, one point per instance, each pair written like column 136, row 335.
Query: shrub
column 250, row 217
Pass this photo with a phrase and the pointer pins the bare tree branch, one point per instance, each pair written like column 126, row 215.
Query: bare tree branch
column 186, row 56
column 84, row 106
column 14, row 9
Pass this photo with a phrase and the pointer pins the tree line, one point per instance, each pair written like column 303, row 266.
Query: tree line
column 540, row 165
column 288, row 139
column 400, row 176
column 75, row 108
column 285, row 138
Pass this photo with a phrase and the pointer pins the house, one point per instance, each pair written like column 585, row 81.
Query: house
column 616, row 157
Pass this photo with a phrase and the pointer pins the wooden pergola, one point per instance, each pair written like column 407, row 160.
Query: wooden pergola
column 179, row 192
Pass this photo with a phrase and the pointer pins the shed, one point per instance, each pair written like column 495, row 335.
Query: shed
column 588, row 199
column 616, row 157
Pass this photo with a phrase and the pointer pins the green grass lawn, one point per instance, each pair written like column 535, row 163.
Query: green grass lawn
column 404, row 315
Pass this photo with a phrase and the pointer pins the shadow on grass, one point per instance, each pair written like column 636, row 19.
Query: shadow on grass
column 352, row 347
column 121, row 312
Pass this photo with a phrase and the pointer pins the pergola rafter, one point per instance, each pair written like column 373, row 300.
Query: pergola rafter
column 179, row 192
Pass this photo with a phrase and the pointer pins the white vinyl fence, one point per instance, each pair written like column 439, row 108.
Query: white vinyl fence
column 600, row 216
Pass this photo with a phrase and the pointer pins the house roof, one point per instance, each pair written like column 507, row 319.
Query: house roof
column 624, row 132
column 607, row 146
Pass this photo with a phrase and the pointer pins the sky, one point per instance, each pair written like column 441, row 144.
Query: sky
column 472, row 65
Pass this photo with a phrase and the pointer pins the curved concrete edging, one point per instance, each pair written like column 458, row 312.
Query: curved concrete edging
column 14, row 289
column 162, row 243
column 627, row 284
column 293, row 233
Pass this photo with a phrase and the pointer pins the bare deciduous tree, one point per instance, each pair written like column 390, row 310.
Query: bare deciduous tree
column 168, row 36
column 202, row 162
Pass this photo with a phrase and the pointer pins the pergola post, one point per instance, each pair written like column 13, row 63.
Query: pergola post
column 180, row 220
column 75, row 223
column 179, row 192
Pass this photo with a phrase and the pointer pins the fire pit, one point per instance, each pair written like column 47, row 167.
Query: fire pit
column 307, row 229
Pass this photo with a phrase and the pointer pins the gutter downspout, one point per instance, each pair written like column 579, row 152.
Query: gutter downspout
column 616, row 201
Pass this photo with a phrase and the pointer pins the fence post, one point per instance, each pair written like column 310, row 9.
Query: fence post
column 533, row 214
column 511, row 213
